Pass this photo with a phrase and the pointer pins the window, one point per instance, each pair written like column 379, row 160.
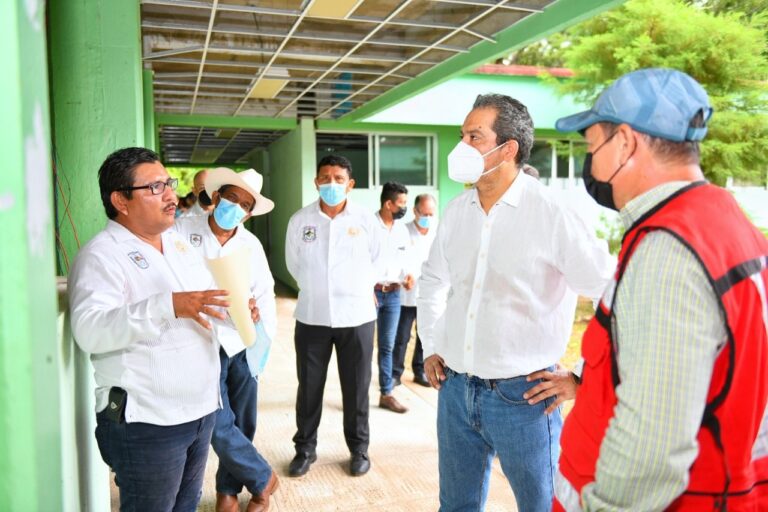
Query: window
column 560, row 153
column 541, row 158
column 406, row 159
column 380, row 157
column 352, row 146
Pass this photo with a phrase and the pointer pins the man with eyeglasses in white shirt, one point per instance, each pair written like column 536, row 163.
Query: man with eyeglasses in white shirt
column 495, row 309
column 140, row 299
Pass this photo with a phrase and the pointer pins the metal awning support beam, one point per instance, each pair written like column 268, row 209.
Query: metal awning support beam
column 309, row 36
column 254, row 123
column 205, row 53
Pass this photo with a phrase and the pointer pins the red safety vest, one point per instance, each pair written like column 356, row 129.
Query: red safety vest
column 734, row 254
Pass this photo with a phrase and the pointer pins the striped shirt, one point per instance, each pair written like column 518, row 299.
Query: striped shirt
column 669, row 330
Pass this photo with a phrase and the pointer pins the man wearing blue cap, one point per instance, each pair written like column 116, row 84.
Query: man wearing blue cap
column 671, row 411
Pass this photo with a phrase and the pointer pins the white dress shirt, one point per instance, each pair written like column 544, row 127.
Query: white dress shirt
column 333, row 262
column 496, row 295
column 122, row 314
column 415, row 255
column 194, row 211
column 197, row 232
column 392, row 259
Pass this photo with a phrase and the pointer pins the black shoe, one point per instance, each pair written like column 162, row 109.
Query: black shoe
column 421, row 380
column 300, row 463
column 396, row 381
column 359, row 464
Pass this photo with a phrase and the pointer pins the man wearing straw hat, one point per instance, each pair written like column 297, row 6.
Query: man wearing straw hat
column 237, row 197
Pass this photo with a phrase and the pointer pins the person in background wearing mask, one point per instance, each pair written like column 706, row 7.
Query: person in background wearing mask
column 671, row 412
column 203, row 205
column 237, row 197
column 331, row 251
column 392, row 277
column 495, row 309
column 421, row 234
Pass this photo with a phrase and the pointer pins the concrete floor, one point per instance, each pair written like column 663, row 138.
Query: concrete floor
column 403, row 448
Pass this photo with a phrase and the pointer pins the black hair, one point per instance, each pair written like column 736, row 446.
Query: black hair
column 337, row 161
column 513, row 122
column 118, row 172
column 391, row 190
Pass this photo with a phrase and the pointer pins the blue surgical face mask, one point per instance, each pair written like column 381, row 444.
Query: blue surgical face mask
column 423, row 222
column 333, row 194
column 228, row 214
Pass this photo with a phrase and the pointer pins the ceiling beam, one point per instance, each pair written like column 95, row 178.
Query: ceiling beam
column 555, row 18
column 370, row 34
column 207, row 121
column 273, row 58
column 204, row 55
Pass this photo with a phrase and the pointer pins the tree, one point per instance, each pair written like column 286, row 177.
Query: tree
column 723, row 50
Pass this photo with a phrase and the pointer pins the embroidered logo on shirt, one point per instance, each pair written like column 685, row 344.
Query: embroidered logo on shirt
column 309, row 233
column 139, row 259
column 195, row 239
column 353, row 231
column 181, row 246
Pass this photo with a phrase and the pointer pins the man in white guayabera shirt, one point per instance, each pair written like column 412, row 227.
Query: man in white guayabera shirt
column 496, row 305
column 138, row 306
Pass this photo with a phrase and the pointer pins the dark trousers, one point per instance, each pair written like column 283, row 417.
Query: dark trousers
column 158, row 468
column 240, row 463
column 407, row 319
column 354, row 351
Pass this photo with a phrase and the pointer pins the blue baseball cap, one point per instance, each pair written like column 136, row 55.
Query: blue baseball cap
column 657, row 101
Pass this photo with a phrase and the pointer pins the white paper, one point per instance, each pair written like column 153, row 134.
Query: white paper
column 232, row 273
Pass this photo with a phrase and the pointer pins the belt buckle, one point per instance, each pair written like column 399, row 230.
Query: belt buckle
column 385, row 288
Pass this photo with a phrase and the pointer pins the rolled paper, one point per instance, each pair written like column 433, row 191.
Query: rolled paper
column 232, row 273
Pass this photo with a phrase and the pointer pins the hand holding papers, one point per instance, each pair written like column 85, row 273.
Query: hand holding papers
column 232, row 273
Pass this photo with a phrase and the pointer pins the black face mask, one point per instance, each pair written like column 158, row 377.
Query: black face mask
column 601, row 191
column 399, row 214
column 204, row 199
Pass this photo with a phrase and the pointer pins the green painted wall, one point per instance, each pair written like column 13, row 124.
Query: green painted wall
column 151, row 135
column 97, row 106
column 292, row 164
column 30, row 443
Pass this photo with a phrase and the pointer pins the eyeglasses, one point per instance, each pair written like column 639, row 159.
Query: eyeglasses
column 157, row 187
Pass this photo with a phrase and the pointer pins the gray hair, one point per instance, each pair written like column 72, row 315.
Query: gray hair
column 513, row 122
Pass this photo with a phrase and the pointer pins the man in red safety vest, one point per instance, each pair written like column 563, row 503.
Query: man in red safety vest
column 671, row 410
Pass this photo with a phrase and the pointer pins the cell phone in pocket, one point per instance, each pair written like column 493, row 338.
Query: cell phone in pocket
column 118, row 397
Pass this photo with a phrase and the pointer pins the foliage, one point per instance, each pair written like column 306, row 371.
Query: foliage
column 611, row 230
column 185, row 176
column 723, row 49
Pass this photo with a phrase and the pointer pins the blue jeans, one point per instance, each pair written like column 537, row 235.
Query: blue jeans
column 239, row 461
column 386, row 324
column 478, row 419
column 158, row 468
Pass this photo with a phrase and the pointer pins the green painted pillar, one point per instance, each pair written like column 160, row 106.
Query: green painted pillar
column 30, row 446
column 97, row 104
column 150, row 130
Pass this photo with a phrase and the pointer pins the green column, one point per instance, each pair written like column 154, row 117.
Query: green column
column 97, row 105
column 30, row 446
column 150, row 130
